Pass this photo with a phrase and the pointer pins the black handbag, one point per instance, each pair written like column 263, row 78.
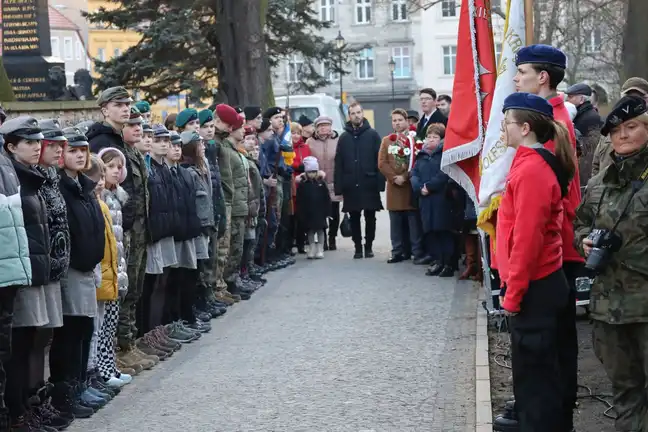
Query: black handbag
column 345, row 226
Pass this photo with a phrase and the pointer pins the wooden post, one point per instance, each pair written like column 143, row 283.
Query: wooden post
column 528, row 21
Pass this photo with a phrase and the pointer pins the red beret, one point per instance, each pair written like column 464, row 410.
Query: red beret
column 229, row 115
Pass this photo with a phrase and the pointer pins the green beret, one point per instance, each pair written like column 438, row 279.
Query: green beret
column 114, row 94
column 205, row 116
column 143, row 106
column 185, row 116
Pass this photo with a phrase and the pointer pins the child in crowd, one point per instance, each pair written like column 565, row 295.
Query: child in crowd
column 313, row 207
column 115, row 197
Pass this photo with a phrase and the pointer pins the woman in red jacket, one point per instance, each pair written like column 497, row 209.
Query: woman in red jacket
column 302, row 150
column 529, row 253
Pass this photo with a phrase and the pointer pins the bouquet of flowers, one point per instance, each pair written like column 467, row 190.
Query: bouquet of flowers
column 404, row 146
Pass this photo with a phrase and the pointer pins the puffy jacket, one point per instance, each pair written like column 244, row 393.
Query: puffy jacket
column 235, row 179
column 324, row 150
column 115, row 199
column 109, row 289
column 188, row 224
column 163, row 214
column 86, row 222
column 57, row 222
column 35, row 214
column 204, row 204
column 15, row 266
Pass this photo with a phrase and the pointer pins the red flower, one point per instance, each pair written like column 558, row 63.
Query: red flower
column 401, row 152
column 412, row 127
column 393, row 137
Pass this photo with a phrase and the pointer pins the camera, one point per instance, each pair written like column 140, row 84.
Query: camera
column 605, row 243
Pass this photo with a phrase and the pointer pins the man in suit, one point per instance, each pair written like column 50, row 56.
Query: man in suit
column 431, row 114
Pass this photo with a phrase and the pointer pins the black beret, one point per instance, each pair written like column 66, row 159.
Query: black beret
column 304, row 121
column 265, row 124
column 271, row 112
column 626, row 109
column 251, row 112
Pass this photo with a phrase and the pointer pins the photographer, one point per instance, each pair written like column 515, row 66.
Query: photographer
column 611, row 232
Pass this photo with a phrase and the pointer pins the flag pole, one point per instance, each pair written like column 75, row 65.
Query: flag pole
column 528, row 21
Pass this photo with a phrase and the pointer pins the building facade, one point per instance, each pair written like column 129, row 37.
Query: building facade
column 67, row 44
column 73, row 10
column 380, row 30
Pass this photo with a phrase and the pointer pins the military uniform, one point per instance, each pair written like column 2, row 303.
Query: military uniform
column 619, row 300
column 602, row 155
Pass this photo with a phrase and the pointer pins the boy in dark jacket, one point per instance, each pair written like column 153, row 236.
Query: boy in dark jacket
column 313, row 207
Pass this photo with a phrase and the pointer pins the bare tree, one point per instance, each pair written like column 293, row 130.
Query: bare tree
column 635, row 40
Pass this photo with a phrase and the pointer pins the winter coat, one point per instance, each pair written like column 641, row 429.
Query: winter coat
column 356, row 176
column 188, row 225
column 313, row 204
column 235, row 179
column 116, row 199
column 255, row 191
column 100, row 136
column 301, row 150
column 163, row 212
column 109, row 288
column 86, row 222
column 436, row 207
column 587, row 118
column 212, row 149
column 15, row 265
column 35, row 216
column 399, row 198
column 57, row 222
column 204, row 204
column 324, row 150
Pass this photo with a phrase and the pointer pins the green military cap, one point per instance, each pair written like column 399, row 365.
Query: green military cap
column 146, row 128
column 205, row 116
column 84, row 126
column 189, row 137
column 24, row 127
column 175, row 138
column 114, row 94
column 135, row 116
column 51, row 130
column 185, row 116
column 143, row 106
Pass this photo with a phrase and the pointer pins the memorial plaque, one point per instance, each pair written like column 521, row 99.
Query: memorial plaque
column 33, row 78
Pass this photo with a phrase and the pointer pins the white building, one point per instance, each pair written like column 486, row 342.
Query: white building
column 67, row 44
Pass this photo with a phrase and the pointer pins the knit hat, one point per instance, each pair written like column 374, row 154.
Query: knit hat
column 205, row 116
column 121, row 156
column 323, row 120
column 251, row 112
column 311, row 164
column 185, row 116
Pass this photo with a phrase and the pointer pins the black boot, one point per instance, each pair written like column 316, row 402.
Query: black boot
column 331, row 243
column 46, row 414
column 368, row 252
column 358, row 251
column 64, row 400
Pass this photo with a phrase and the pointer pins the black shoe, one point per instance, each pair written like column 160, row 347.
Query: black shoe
column 64, row 400
column 358, row 252
column 301, row 250
column 368, row 252
column 503, row 424
column 396, row 259
column 434, row 269
column 446, row 272
column 332, row 244
column 423, row 260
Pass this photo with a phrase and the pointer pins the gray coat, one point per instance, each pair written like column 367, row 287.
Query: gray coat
column 204, row 202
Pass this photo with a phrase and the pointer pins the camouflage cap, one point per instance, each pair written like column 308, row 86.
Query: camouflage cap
column 135, row 116
column 114, row 94
column 51, row 130
column 635, row 83
column 24, row 127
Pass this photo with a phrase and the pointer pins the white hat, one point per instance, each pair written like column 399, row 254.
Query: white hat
column 311, row 164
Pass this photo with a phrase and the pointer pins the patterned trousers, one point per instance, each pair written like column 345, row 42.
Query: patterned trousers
column 106, row 348
column 135, row 244
column 237, row 234
column 223, row 252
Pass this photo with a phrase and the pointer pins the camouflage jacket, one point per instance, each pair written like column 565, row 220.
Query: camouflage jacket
column 620, row 293
column 138, row 204
column 602, row 155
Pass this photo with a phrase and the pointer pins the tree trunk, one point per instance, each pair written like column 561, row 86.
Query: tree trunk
column 6, row 91
column 243, row 69
column 269, row 99
column 635, row 40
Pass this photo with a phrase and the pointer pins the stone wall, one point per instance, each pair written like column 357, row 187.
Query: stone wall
column 68, row 113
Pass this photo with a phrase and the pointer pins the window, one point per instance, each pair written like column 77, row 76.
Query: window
column 327, row 10
column 595, row 40
column 329, row 73
column 402, row 58
column 56, row 50
column 498, row 52
column 68, row 50
column 101, row 54
column 399, row 10
column 79, row 50
column 448, row 8
column 116, row 52
column 363, row 11
column 366, row 64
column 293, row 69
column 449, row 59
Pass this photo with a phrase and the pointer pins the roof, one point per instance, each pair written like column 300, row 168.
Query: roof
column 58, row 21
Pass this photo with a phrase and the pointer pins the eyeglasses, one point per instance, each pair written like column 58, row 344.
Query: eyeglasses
column 426, row 99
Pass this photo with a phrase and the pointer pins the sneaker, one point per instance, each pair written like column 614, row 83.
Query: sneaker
column 185, row 326
column 155, row 340
column 199, row 327
column 161, row 333
column 177, row 334
column 146, row 357
column 125, row 378
column 115, row 382
column 147, row 347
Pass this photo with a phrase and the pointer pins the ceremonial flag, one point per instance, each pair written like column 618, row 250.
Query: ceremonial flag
column 472, row 96
column 496, row 158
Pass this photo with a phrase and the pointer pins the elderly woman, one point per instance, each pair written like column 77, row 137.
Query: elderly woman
column 612, row 233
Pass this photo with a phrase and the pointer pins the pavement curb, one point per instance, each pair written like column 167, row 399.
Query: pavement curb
column 483, row 405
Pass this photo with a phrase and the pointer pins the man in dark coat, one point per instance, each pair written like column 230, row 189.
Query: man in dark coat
column 357, row 178
column 431, row 114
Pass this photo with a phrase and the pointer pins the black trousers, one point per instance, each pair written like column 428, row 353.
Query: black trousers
column 7, row 299
column 182, row 295
column 17, row 369
column 151, row 306
column 356, row 229
column 334, row 223
column 300, row 233
column 537, row 380
column 70, row 350
column 440, row 245
column 42, row 339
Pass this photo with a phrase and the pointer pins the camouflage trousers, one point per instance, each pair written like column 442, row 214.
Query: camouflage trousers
column 135, row 245
column 7, row 298
column 208, row 278
column 237, row 236
column 223, row 252
column 623, row 350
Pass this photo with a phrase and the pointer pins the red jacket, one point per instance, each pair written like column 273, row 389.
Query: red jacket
column 573, row 198
column 301, row 150
column 529, row 221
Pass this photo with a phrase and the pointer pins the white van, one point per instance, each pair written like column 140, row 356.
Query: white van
column 313, row 106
